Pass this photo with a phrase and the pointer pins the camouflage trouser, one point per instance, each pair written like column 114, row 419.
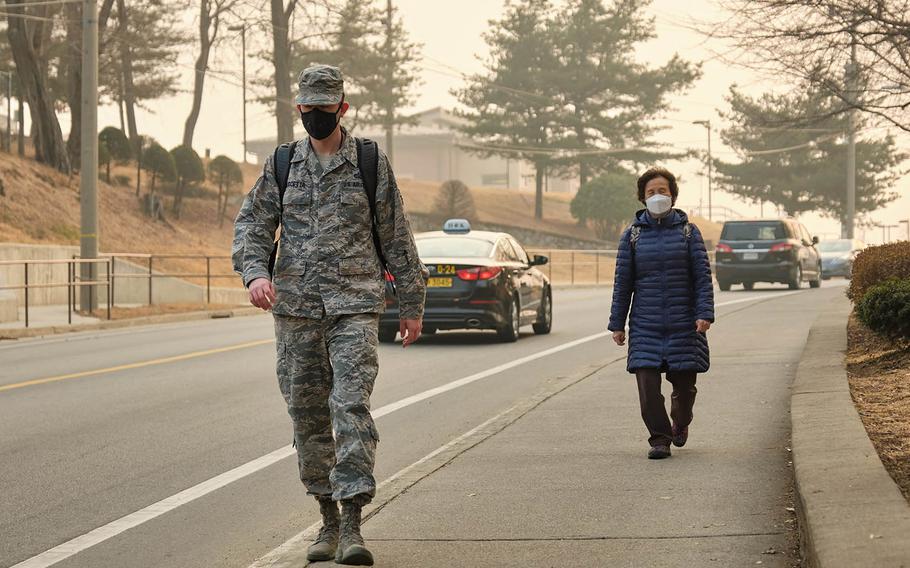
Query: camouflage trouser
column 326, row 371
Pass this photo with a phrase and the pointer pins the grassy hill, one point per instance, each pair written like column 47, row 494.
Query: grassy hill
column 42, row 206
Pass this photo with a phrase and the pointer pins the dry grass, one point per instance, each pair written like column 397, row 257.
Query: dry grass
column 879, row 375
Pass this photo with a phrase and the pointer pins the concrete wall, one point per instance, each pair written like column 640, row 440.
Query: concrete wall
column 127, row 290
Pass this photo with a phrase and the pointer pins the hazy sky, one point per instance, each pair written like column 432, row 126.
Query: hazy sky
column 451, row 34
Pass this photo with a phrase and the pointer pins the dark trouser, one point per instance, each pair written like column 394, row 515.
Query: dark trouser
column 653, row 411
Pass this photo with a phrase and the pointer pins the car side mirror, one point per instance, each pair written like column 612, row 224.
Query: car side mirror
column 539, row 260
column 814, row 240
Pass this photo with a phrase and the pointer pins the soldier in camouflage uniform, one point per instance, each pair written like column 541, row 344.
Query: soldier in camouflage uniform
column 326, row 296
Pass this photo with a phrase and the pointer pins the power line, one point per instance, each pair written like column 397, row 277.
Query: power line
column 39, row 3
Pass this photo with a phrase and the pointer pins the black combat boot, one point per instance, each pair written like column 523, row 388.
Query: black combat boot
column 351, row 550
column 323, row 548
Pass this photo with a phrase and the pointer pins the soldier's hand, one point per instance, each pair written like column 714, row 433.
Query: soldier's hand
column 410, row 331
column 262, row 293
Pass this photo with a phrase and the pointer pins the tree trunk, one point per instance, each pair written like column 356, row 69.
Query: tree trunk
column 390, row 79
column 48, row 140
column 178, row 198
column 126, row 62
column 205, row 45
column 139, row 166
column 21, row 142
column 539, row 174
column 284, row 110
column 73, row 13
column 120, row 108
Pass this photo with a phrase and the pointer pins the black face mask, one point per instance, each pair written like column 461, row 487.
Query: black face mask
column 320, row 124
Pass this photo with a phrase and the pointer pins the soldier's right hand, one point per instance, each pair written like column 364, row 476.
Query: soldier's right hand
column 262, row 293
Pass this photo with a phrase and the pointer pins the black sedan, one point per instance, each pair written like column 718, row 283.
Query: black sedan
column 478, row 280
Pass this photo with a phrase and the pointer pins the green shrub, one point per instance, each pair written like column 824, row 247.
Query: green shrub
column 885, row 308
column 877, row 264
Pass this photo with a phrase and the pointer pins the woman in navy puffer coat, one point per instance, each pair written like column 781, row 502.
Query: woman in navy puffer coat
column 663, row 272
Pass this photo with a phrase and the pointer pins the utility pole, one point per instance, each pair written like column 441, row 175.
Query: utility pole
column 850, row 214
column 707, row 124
column 390, row 77
column 242, row 30
column 88, row 179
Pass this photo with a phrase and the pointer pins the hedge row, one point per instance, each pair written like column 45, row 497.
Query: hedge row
column 875, row 265
column 885, row 308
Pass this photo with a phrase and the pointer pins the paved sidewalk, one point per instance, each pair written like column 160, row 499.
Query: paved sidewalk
column 568, row 484
column 44, row 316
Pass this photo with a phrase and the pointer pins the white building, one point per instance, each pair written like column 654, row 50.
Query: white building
column 433, row 150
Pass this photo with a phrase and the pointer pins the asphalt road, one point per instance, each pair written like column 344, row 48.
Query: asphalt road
column 126, row 419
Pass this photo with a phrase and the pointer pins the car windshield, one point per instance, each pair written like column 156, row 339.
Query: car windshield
column 835, row 246
column 771, row 231
column 453, row 246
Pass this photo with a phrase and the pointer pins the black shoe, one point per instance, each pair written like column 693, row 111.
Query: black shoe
column 659, row 452
column 680, row 436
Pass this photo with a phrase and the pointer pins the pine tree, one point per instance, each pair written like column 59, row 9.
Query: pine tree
column 790, row 148
column 226, row 174
column 141, row 62
column 514, row 107
column 611, row 98
column 189, row 169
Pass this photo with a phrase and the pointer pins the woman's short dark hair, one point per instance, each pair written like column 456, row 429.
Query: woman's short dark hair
column 653, row 173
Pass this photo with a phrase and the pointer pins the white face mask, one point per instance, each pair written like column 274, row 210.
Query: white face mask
column 658, row 204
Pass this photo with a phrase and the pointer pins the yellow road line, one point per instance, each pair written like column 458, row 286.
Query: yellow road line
column 138, row 365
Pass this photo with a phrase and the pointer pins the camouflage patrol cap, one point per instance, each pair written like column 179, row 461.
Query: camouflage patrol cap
column 320, row 85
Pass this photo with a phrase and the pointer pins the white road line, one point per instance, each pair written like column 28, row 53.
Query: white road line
column 118, row 526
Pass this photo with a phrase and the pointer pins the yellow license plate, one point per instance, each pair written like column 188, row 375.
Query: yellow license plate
column 445, row 269
column 439, row 283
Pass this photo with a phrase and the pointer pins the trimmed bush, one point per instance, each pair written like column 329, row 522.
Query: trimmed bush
column 875, row 265
column 454, row 200
column 885, row 308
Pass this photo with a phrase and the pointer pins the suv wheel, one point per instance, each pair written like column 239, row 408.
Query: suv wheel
column 509, row 332
column 724, row 286
column 797, row 281
column 545, row 318
column 749, row 285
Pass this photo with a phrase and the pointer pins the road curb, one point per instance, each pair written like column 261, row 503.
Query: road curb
column 118, row 324
column 851, row 511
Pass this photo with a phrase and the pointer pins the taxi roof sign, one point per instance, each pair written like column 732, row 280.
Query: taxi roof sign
column 457, row 227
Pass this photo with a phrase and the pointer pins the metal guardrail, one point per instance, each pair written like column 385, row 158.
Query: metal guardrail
column 582, row 266
column 577, row 263
column 565, row 266
column 150, row 274
column 75, row 281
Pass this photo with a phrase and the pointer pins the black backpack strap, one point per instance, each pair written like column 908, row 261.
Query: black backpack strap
column 281, row 164
column 368, row 164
